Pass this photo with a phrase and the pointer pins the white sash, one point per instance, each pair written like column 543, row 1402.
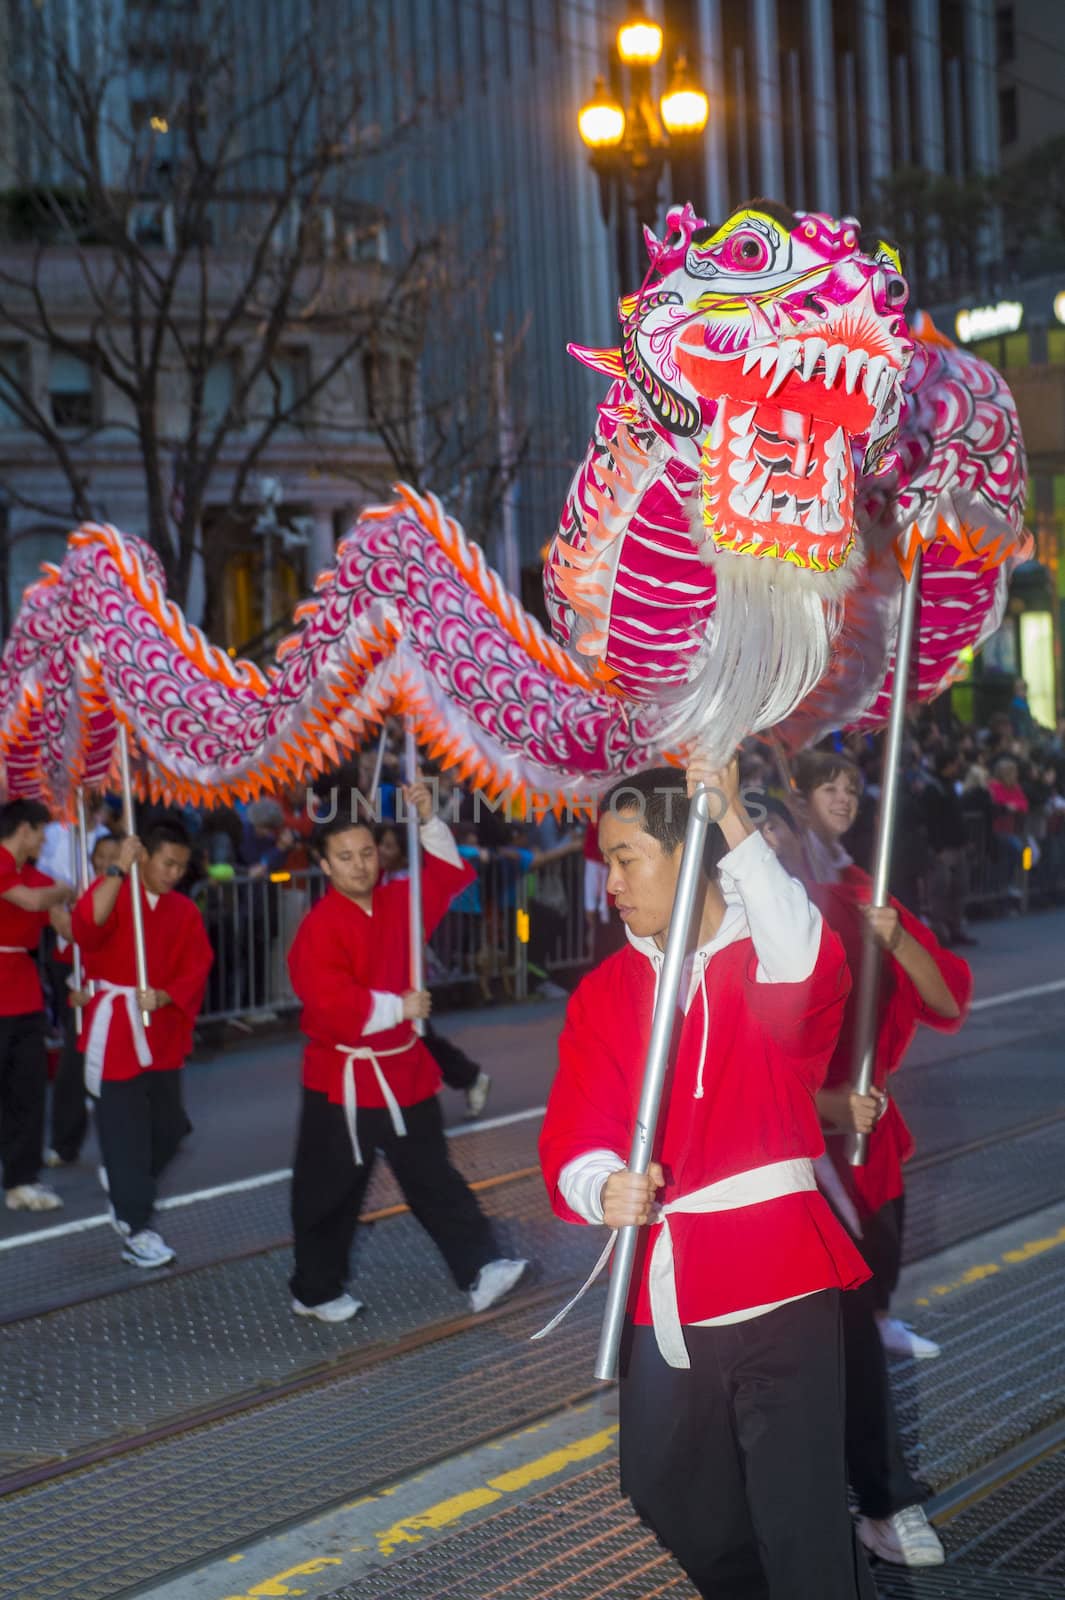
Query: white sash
column 727, row 1194
column 96, row 1044
column 365, row 1052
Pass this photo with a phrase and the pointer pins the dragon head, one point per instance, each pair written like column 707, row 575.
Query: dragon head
column 768, row 354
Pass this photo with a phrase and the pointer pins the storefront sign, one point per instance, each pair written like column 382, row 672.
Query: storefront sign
column 988, row 322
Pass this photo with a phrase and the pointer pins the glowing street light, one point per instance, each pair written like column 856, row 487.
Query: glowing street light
column 639, row 42
column 602, row 120
column 684, row 106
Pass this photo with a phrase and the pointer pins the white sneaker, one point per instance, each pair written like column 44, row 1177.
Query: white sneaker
column 907, row 1539
column 901, row 1340
column 121, row 1228
column 32, row 1197
column 494, row 1281
column 342, row 1309
column 477, row 1094
column 101, row 1178
column 147, row 1249
column 52, row 1158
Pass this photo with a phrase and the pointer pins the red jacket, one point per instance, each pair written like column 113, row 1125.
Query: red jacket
column 20, row 984
column 900, row 1011
column 340, row 957
column 179, row 958
column 763, row 1048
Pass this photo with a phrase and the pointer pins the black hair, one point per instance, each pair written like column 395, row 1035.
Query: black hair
column 660, row 797
column 164, row 831
column 17, row 812
column 105, row 838
column 339, row 824
column 778, row 811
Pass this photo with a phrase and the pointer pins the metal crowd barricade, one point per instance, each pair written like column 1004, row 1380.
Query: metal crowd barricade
column 479, row 952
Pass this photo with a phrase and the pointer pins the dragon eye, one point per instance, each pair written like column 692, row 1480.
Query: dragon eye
column 745, row 251
column 896, row 289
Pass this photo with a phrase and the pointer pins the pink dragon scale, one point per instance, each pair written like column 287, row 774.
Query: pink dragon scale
column 775, row 445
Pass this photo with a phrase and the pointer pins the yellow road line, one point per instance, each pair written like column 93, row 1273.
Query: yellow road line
column 989, row 1269
column 443, row 1514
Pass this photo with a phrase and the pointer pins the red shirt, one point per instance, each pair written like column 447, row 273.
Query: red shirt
column 179, row 959
column 20, row 984
column 768, row 1046
column 340, row 956
column 900, row 1011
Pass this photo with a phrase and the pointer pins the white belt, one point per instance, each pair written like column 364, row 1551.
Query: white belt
column 96, row 1043
column 727, row 1194
column 365, row 1052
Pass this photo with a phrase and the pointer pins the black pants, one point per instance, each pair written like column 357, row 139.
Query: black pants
column 457, row 1069
column 736, row 1463
column 881, row 1245
column 140, row 1122
column 328, row 1191
column 69, row 1119
column 23, row 1095
column 876, row 1465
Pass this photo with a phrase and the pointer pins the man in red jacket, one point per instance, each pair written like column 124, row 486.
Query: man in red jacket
column 132, row 1071
column 369, row 1081
column 731, row 1392
column 26, row 899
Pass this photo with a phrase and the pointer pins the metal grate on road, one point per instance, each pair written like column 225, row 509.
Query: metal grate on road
column 127, row 1522
column 1019, row 1527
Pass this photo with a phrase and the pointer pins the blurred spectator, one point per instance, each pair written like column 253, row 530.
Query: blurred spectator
column 1021, row 720
column 944, row 823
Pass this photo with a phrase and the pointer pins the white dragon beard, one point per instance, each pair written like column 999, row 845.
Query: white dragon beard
column 769, row 643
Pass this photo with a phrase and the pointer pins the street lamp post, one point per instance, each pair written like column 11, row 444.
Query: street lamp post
column 630, row 142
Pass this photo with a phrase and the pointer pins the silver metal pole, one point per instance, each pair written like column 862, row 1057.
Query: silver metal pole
column 414, row 877
column 654, row 1075
column 79, row 870
column 129, row 821
column 382, row 745
column 864, row 1062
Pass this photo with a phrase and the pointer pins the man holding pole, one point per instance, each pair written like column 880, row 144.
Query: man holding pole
column 369, row 1082
column 731, row 1363
column 133, row 1067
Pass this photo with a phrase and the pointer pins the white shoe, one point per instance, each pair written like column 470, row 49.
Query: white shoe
column 477, row 1094
column 52, row 1158
column 101, row 1178
column 494, row 1281
column 551, row 991
column 901, row 1340
column 32, row 1197
column 907, row 1539
column 147, row 1249
column 342, row 1309
column 121, row 1228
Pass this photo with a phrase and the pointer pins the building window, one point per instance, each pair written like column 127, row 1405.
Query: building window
column 1007, row 114
column 13, row 366
column 71, row 391
column 219, row 390
column 288, row 384
column 1005, row 41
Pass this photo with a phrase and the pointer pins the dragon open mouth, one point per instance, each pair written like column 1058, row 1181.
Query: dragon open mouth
column 791, row 410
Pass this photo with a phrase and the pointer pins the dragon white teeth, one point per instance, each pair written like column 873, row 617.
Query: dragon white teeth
column 884, row 388
column 789, row 511
column 768, row 358
column 740, row 471
column 855, row 362
column 741, row 422
column 812, row 350
column 751, row 356
column 873, row 373
column 834, row 357
column 836, row 444
column 812, row 521
column 763, row 511
column 789, row 355
column 742, row 446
